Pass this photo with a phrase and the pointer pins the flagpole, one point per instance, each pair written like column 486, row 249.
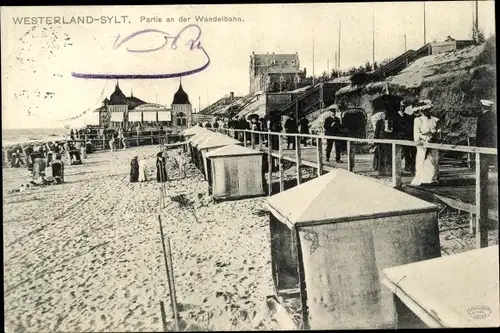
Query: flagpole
column 373, row 37
column 313, row 58
column 340, row 34
column 425, row 37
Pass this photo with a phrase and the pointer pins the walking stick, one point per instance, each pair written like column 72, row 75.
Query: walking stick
column 167, row 255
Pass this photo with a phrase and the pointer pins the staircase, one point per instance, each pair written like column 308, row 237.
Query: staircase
column 398, row 64
column 309, row 101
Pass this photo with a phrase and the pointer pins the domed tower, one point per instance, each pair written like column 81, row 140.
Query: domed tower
column 181, row 109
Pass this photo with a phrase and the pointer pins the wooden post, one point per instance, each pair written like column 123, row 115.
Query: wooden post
column 261, row 138
column 280, row 165
column 481, row 201
column 252, row 140
column 269, row 166
column 319, row 156
column 298, row 159
column 472, row 223
column 351, row 153
column 396, row 166
column 244, row 137
column 469, row 155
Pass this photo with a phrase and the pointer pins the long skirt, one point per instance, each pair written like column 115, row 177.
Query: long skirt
column 161, row 173
column 143, row 172
column 426, row 166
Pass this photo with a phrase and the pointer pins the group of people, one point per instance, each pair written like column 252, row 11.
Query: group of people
column 416, row 123
column 139, row 169
column 272, row 123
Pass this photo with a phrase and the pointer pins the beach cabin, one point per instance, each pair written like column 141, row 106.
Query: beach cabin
column 214, row 142
column 192, row 131
column 235, row 172
column 332, row 237
column 194, row 141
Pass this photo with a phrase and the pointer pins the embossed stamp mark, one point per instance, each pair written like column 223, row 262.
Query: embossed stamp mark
column 479, row 311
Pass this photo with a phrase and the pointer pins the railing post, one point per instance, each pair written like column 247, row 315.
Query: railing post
column 469, row 155
column 252, row 140
column 261, row 138
column 280, row 164
column 319, row 156
column 396, row 166
column 244, row 137
column 269, row 166
column 351, row 152
column 481, row 200
column 298, row 159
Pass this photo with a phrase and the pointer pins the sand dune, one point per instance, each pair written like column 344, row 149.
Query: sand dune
column 87, row 255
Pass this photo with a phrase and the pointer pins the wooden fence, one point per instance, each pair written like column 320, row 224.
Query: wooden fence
column 481, row 164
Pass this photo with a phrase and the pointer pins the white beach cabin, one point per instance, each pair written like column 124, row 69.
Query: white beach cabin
column 214, row 142
column 331, row 237
column 192, row 131
column 193, row 142
column 235, row 172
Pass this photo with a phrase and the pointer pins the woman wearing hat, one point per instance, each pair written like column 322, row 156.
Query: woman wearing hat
column 425, row 130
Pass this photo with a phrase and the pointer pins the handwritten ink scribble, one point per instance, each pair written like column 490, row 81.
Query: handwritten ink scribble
column 194, row 44
column 313, row 237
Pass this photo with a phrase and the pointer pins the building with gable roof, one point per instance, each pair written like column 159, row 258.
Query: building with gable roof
column 275, row 72
column 120, row 110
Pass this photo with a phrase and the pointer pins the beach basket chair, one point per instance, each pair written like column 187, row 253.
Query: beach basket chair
column 58, row 172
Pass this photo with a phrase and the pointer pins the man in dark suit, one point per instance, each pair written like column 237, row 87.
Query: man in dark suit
column 332, row 127
column 403, row 130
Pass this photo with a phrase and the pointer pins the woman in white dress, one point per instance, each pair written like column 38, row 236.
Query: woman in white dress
column 426, row 163
column 143, row 170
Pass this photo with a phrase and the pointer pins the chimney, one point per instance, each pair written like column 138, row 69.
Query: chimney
column 231, row 94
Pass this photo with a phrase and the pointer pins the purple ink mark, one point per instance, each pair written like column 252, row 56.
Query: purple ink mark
column 194, row 44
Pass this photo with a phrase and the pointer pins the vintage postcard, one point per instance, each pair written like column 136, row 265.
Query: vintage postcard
column 250, row 167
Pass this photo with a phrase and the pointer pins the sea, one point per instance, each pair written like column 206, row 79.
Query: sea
column 17, row 136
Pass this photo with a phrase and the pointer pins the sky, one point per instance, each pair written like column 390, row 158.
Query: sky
column 38, row 90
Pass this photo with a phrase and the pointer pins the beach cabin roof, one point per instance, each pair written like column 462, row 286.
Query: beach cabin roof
column 232, row 150
column 217, row 140
column 193, row 130
column 200, row 136
column 339, row 196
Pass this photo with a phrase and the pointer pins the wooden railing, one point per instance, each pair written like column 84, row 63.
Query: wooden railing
column 481, row 164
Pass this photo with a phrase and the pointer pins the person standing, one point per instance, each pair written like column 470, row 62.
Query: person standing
column 161, row 168
column 274, row 126
column 120, row 137
column 291, row 128
column 425, row 131
column 134, row 170
column 331, row 126
column 255, row 126
column 486, row 134
column 383, row 151
column 403, row 130
column 304, row 129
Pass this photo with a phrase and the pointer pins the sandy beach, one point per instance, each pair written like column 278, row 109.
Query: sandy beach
column 87, row 255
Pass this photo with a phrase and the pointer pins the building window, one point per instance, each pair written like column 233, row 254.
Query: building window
column 181, row 119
